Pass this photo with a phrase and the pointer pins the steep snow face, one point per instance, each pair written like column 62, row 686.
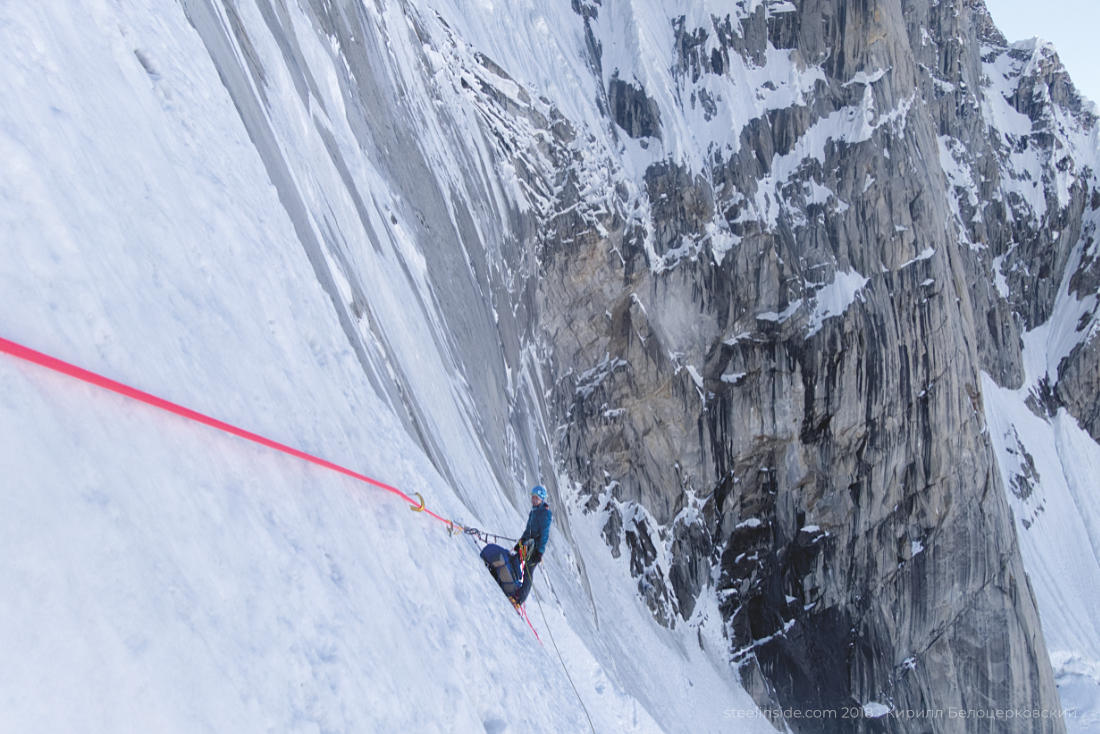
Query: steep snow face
column 721, row 275
column 1048, row 463
column 1049, row 466
column 192, row 204
column 1032, row 217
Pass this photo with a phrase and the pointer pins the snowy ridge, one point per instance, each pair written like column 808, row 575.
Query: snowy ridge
column 1030, row 185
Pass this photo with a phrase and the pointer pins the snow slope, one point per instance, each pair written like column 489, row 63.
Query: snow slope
column 160, row 576
column 1049, row 466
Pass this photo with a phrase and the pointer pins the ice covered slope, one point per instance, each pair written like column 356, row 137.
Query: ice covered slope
column 1049, row 465
column 159, row 576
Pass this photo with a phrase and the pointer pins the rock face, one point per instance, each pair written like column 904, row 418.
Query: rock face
column 738, row 290
column 770, row 382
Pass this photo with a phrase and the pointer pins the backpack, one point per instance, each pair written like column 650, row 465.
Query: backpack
column 504, row 566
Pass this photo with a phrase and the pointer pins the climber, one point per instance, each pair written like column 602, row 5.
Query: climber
column 533, row 540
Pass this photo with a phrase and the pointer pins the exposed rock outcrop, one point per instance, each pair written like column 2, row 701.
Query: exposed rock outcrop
column 775, row 375
column 744, row 306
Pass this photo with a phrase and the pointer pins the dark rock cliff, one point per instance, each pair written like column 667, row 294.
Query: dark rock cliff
column 742, row 306
column 797, row 418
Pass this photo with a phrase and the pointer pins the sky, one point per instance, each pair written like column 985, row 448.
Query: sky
column 1069, row 24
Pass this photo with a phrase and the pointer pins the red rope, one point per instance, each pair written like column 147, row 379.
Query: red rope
column 523, row 613
column 57, row 365
column 65, row 368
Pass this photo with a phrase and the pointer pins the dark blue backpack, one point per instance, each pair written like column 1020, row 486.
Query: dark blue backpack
column 505, row 567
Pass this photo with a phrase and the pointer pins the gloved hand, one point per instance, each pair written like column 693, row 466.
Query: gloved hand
column 533, row 559
column 515, row 548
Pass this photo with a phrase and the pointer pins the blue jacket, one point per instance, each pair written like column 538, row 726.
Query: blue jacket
column 538, row 526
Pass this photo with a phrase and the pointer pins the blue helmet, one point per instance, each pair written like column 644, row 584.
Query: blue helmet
column 539, row 491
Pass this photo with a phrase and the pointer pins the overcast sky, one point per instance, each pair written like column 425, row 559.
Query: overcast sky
column 1073, row 26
